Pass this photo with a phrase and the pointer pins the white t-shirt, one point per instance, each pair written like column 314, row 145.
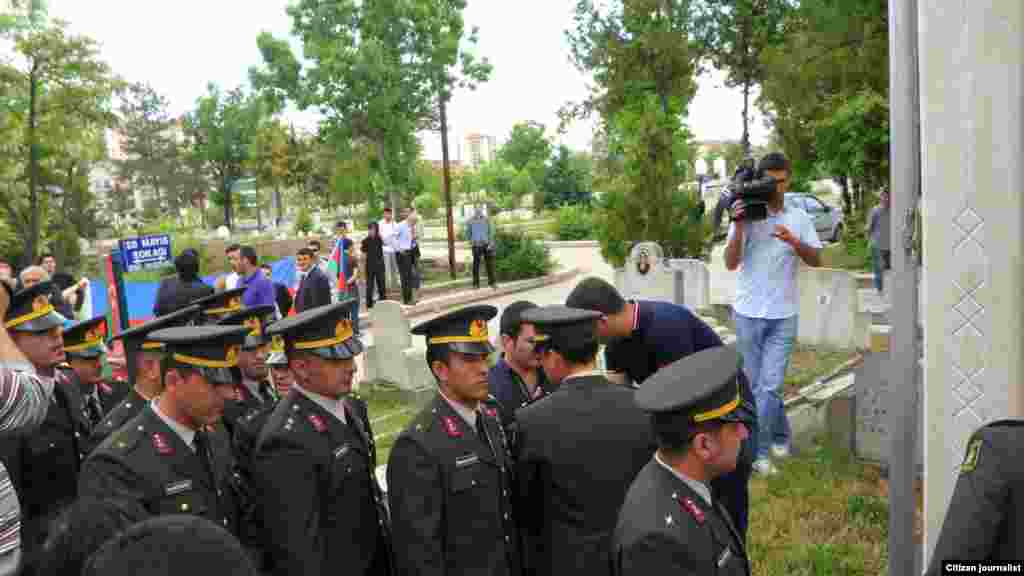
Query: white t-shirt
column 387, row 233
column 767, row 284
column 231, row 281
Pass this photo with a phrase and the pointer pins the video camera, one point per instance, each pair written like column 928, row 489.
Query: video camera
column 754, row 188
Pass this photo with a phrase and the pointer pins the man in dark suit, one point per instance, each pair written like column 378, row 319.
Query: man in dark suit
column 282, row 297
column 318, row 503
column 83, row 346
column 145, row 379
column 44, row 466
column 568, row 506
column 314, row 288
column 174, row 457
column 985, row 515
column 180, row 291
column 449, row 474
column 669, row 522
column 517, row 379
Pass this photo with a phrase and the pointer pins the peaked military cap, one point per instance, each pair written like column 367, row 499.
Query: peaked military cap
column 30, row 310
column 219, row 304
column 137, row 337
column 325, row 331
column 701, row 387
column 255, row 319
column 85, row 339
column 463, row 330
column 559, row 327
column 213, row 350
column 277, row 356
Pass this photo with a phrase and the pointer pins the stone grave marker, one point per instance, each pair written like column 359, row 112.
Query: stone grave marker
column 646, row 274
column 390, row 340
column 693, row 283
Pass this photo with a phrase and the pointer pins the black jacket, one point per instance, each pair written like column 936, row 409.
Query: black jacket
column 128, row 408
column 665, row 527
column 146, row 462
column 373, row 247
column 174, row 294
column 283, row 298
column 314, row 290
column 451, row 497
column 985, row 518
column 579, row 450
column 44, row 465
column 318, row 506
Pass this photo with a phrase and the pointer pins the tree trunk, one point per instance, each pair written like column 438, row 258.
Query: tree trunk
column 746, row 117
column 280, row 207
column 844, row 187
column 32, row 240
column 259, row 211
column 226, row 189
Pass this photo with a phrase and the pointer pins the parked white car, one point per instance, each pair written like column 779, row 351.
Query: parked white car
column 828, row 221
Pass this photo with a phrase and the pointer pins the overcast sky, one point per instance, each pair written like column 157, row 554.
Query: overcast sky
column 180, row 46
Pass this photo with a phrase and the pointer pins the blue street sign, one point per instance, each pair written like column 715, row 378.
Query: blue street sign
column 146, row 252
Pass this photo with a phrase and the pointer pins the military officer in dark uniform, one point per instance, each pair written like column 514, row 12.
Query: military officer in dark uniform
column 319, row 507
column 670, row 523
column 985, row 518
column 218, row 305
column 146, row 380
column 44, row 465
column 449, row 474
column 174, row 457
column 253, row 388
column 84, row 348
column 568, row 506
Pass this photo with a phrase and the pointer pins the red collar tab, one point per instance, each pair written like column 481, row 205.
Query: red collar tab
column 690, row 506
column 451, row 427
column 318, row 423
column 161, row 444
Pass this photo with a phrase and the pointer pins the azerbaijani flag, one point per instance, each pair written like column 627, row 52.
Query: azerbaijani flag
column 338, row 265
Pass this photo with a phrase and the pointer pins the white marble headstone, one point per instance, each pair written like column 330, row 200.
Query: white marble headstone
column 646, row 275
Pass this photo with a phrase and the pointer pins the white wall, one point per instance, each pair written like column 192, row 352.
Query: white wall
column 972, row 99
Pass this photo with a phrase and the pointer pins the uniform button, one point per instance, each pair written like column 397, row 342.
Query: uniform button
column 225, row 521
column 473, row 482
column 52, row 444
column 77, row 435
column 128, row 405
column 506, row 539
column 506, row 515
column 220, row 492
column 184, row 507
column 140, row 428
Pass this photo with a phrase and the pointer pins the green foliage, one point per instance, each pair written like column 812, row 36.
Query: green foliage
column 527, row 149
column 855, row 241
column 574, row 222
column 567, row 179
column 854, row 140
column 303, row 221
column 518, row 256
column 378, row 71
column 427, row 205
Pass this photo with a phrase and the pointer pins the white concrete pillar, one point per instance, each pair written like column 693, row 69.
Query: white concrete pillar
column 972, row 135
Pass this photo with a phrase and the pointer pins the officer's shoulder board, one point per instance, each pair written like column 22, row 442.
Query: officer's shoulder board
column 124, row 440
column 423, row 422
column 976, row 444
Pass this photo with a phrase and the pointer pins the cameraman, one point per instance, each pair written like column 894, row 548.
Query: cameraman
column 767, row 301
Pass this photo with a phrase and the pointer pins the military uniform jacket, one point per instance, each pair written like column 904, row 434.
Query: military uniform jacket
column 126, row 409
column 242, row 405
column 665, row 527
column 112, row 393
column 579, row 450
column 146, row 462
column 319, row 509
column 985, row 518
column 44, row 464
column 450, row 497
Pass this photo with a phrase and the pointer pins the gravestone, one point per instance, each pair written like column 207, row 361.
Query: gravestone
column 693, row 283
column 828, row 308
column 646, row 275
column 391, row 338
column 723, row 282
column 872, row 432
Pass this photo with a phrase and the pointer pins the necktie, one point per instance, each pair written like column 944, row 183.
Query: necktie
column 94, row 410
column 267, row 391
column 481, row 431
column 202, row 445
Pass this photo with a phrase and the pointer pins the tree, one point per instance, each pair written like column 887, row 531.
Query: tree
column 223, row 128
column 269, row 161
column 567, row 179
column 153, row 157
column 55, row 84
column 642, row 56
column 735, row 34
column 854, row 141
column 527, row 148
column 376, row 70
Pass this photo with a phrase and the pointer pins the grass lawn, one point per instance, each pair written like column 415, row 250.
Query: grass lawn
column 835, row 256
column 808, row 363
column 389, row 415
column 823, row 515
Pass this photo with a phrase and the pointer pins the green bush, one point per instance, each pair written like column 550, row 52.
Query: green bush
column 518, row 256
column 427, row 205
column 855, row 241
column 574, row 222
column 303, row 222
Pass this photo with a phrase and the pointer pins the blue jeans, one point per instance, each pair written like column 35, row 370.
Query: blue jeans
column 879, row 264
column 353, row 292
column 765, row 345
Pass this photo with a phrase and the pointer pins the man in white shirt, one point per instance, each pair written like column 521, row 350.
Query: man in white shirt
column 768, row 255
column 387, row 234
column 403, row 244
column 230, row 281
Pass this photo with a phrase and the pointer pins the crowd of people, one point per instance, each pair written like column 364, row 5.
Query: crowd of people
column 236, row 444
